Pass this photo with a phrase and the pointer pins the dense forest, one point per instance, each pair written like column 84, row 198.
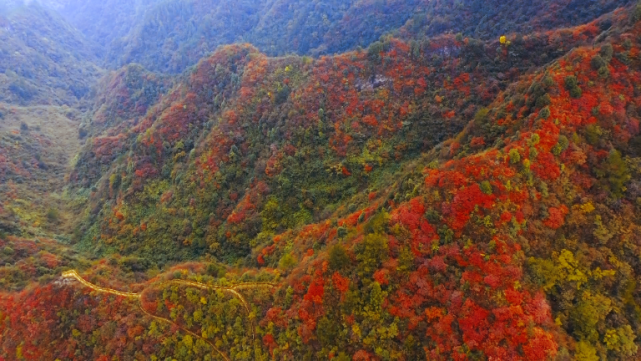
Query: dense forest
column 44, row 60
column 309, row 180
column 171, row 35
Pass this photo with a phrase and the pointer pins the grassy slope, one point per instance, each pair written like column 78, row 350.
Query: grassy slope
column 37, row 147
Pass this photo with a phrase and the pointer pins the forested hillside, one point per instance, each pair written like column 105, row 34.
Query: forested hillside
column 169, row 36
column 36, row 146
column 176, row 34
column 249, row 146
column 47, row 71
column 43, row 60
column 103, row 22
column 464, row 187
column 491, row 19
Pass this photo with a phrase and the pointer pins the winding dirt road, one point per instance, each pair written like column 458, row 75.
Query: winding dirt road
column 73, row 274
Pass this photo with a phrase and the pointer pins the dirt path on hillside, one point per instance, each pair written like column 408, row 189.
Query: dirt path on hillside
column 233, row 289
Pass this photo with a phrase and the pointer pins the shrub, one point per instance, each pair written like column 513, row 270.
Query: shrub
column 134, row 264
column 23, row 90
column 212, row 269
column 377, row 224
column 371, row 252
column 545, row 113
column 374, row 51
column 53, row 215
column 572, row 85
column 548, row 81
column 481, row 115
column 8, row 251
column 543, row 101
column 603, row 72
column 624, row 57
column 606, row 52
column 593, row 134
column 486, row 187
column 562, row 145
column 515, row 157
column 571, row 82
column 618, row 173
column 576, row 92
column 636, row 13
column 287, row 262
column 342, row 232
column 338, row 258
column 598, row 62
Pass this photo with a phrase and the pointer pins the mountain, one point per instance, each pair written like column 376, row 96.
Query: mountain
column 37, row 144
column 121, row 101
column 466, row 194
column 176, row 34
column 103, row 22
column 491, row 19
column 47, row 70
column 43, row 60
column 169, row 36
column 327, row 27
column 326, row 129
column 182, row 31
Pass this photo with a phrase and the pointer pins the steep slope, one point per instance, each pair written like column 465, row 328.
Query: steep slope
column 445, row 198
column 121, row 97
column 246, row 146
column 24, row 262
column 169, row 36
column 43, row 60
column 121, row 101
column 46, row 72
column 36, row 147
column 517, row 239
column 175, row 34
column 327, row 27
column 103, row 22
column 491, row 19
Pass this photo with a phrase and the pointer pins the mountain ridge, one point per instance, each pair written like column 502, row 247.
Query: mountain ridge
column 443, row 198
